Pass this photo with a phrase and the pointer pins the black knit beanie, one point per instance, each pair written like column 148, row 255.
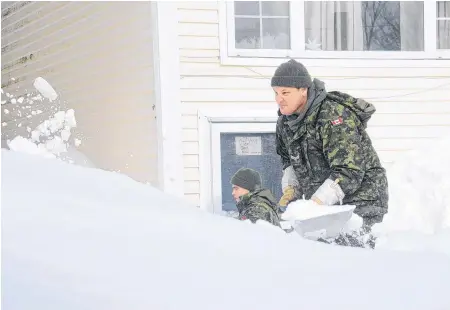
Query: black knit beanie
column 247, row 178
column 291, row 74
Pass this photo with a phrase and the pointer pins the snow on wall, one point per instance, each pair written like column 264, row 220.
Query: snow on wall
column 98, row 57
column 411, row 97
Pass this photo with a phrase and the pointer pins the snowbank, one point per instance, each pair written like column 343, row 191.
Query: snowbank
column 77, row 238
column 419, row 202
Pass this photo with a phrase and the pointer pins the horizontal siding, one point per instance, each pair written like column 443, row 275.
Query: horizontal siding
column 98, row 57
column 412, row 101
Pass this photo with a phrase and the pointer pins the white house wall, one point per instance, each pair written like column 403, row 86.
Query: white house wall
column 98, row 57
column 413, row 103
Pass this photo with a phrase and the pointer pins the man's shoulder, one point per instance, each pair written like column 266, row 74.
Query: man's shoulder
column 262, row 206
column 334, row 107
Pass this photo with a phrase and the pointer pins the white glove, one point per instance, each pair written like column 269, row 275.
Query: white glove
column 289, row 178
column 329, row 193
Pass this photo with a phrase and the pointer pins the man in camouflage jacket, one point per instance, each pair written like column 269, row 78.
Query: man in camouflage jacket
column 326, row 153
column 253, row 202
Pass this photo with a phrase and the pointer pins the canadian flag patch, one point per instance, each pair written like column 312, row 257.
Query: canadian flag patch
column 337, row 121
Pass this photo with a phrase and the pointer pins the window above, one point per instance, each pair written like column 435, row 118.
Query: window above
column 338, row 29
column 443, row 25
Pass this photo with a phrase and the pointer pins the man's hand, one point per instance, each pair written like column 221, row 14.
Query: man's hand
column 288, row 196
column 329, row 193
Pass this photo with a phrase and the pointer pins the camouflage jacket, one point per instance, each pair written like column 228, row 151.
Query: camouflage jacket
column 331, row 141
column 258, row 205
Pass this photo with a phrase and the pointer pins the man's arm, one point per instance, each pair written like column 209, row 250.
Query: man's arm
column 280, row 146
column 289, row 182
column 343, row 150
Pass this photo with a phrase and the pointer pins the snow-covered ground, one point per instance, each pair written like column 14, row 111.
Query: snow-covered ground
column 84, row 238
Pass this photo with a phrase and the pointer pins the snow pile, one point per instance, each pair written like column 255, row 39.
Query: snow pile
column 419, row 202
column 91, row 239
column 21, row 144
column 51, row 138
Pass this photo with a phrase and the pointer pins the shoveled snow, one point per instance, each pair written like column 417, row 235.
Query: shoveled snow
column 50, row 138
column 45, row 89
column 306, row 209
column 79, row 238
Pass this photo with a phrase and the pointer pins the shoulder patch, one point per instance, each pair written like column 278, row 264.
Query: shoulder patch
column 337, row 121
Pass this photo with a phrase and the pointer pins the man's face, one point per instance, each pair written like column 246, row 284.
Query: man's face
column 290, row 99
column 238, row 192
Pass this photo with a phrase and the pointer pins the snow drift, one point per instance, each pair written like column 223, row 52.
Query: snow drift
column 82, row 238
column 419, row 202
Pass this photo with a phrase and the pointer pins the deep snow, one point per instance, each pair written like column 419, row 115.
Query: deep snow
column 419, row 202
column 79, row 238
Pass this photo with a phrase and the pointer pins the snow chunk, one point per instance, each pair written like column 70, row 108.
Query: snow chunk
column 45, row 89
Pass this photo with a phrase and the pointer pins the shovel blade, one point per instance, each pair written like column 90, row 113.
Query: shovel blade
column 331, row 223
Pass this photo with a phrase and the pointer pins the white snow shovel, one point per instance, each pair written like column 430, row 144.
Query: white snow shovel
column 312, row 220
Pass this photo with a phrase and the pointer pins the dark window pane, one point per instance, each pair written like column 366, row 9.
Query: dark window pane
column 364, row 25
column 443, row 34
column 247, row 33
column 263, row 159
column 246, row 8
column 276, row 33
column 275, row 8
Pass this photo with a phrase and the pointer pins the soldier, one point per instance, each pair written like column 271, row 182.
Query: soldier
column 326, row 153
column 253, row 202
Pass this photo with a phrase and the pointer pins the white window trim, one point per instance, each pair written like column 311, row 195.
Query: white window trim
column 206, row 118
column 232, row 56
column 167, row 98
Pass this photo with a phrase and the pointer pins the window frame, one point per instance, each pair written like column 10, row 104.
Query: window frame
column 446, row 18
column 208, row 119
column 217, row 128
column 230, row 54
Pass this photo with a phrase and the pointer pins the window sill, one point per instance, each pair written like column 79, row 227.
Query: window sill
column 336, row 59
